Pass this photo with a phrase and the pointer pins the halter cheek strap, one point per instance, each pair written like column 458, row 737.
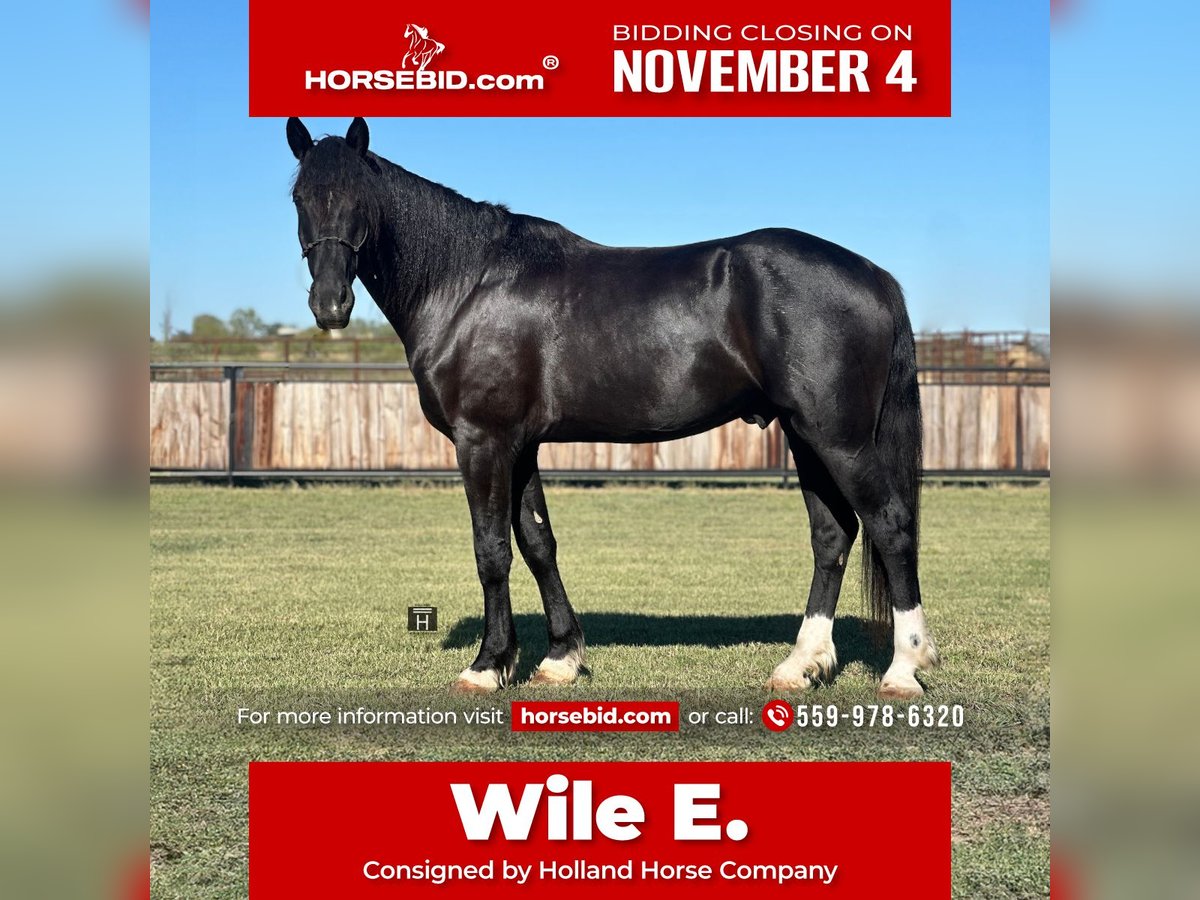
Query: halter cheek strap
column 308, row 248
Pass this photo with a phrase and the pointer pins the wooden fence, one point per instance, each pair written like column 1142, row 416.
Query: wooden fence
column 377, row 426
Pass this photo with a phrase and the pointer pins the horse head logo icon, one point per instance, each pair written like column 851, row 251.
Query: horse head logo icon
column 421, row 47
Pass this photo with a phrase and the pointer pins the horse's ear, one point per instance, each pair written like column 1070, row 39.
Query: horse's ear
column 298, row 137
column 358, row 136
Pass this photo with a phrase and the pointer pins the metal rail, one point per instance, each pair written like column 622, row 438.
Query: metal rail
column 783, row 478
column 403, row 366
column 263, row 364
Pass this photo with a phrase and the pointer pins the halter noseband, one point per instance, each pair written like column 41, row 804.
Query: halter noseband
column 308, row 248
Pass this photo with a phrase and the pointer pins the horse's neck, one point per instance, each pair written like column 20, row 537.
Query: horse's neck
column 419, row 274
column 420, row 319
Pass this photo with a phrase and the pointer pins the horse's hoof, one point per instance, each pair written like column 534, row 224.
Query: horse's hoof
column 793, row 674
column 557, row 671
column 786, row 685
column 791, row 682
column 472, row 682
column 900, row 687
column 462, row 686
column 540, row 678
column 813, row 659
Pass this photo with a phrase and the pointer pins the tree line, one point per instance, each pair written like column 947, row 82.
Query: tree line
column 246, row 324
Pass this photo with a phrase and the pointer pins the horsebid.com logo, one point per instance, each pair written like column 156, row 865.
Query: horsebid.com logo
column 414, row 74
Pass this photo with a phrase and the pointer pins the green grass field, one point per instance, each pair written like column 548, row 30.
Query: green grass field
column 286, row 598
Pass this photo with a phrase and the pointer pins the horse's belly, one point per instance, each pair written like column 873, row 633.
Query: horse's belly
column 637, row 421
column 637, row 393
column 569, row 432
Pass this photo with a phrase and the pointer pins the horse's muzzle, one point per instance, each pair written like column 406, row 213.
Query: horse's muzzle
column 331, row 306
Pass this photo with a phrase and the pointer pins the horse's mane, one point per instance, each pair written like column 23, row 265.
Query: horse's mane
column 433, row 219
column 440, row 235
column 423, row 32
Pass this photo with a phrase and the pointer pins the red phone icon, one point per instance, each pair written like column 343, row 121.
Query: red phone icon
column 777, row 715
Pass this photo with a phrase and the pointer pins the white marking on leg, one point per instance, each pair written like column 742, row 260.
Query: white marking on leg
column 559, row 671
column 812, row 659
column 536, row 517
column 913, row 651
column 488, row 680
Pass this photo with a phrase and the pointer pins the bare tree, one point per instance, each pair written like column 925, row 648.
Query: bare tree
column 166, row 320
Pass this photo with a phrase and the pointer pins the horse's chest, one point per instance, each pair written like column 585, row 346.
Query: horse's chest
column 432, row 404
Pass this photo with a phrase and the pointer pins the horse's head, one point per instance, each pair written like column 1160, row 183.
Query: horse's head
column 410, row 30
column 337, row 215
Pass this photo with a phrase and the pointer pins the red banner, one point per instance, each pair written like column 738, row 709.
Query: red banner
column 671, row 58
column 451, row 830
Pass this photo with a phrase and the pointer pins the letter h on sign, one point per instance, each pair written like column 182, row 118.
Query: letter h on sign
column 422, row 618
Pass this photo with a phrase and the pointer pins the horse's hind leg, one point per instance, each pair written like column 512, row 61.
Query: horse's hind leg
column 834, row 527
column 535, row 539
column 892, row 527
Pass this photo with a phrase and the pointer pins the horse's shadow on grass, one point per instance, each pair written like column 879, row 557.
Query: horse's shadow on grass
column 856, row 639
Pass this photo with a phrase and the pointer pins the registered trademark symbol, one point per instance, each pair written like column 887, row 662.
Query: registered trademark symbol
column 550, row 62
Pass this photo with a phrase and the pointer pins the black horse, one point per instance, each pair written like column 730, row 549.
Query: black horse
column 520, row 332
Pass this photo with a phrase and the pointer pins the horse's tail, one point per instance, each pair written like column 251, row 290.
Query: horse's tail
column 897, row 442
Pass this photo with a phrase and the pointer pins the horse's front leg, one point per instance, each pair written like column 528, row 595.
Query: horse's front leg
column 487, row 469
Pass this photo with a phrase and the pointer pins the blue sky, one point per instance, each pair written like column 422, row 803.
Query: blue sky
column 77, row 146
column 957, row 209
column 1125, row 198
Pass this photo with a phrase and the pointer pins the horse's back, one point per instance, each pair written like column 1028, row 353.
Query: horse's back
column 792, row 261
column 769, row 285
column 587, row 342
column 649, row 343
